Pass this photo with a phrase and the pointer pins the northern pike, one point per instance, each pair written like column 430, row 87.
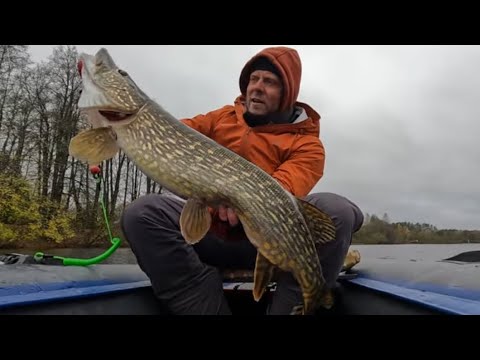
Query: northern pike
column 283, row 228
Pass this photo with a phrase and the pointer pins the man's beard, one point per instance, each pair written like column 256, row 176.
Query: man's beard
column 253, row 120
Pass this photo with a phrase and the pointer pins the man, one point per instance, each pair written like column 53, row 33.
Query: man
column 269, row 127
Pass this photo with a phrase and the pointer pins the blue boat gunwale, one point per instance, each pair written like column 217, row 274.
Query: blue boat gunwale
column 30, row 294
column 441, row 302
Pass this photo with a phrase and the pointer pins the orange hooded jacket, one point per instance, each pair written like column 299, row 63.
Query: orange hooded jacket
column 291, row 153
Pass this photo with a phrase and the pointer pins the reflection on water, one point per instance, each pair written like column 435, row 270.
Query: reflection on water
column 120, row 256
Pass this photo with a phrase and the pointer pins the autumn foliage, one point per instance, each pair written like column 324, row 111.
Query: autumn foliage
column 26, row 217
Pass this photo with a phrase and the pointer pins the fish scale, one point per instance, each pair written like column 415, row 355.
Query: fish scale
column 194, row 166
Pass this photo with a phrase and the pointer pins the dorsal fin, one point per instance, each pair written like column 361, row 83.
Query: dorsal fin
column 320, row 224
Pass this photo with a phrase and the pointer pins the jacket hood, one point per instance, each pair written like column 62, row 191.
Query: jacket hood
column 288, row 63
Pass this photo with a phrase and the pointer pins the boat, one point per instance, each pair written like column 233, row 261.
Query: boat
column 406, row 279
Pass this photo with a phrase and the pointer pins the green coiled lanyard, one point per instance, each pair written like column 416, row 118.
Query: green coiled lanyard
column 67, row 261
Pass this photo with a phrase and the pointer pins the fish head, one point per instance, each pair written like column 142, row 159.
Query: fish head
column 109, row 97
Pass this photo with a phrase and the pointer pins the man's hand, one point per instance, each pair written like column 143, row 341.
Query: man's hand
column 228, row 214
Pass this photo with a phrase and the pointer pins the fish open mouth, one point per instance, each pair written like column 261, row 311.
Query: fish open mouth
column 114, row 116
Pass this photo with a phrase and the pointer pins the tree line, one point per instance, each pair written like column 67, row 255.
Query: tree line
column 49, row 198
column 376, row 230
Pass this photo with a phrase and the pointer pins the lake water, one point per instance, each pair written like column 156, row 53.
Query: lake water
column 416, row 252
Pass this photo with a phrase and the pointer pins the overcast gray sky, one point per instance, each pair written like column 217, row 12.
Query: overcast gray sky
column 399, row 123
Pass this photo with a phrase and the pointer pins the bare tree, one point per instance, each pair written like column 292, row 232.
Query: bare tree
column 14, row 61
column 65, row 87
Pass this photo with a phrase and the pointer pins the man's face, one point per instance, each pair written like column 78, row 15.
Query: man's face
column 264, row 92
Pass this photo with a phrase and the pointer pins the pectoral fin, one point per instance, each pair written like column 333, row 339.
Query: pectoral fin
column 263, row 275
column 195, row 221
column 320, row 224
column 94, row 145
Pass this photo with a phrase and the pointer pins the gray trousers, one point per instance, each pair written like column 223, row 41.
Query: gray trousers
column 187, row 279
